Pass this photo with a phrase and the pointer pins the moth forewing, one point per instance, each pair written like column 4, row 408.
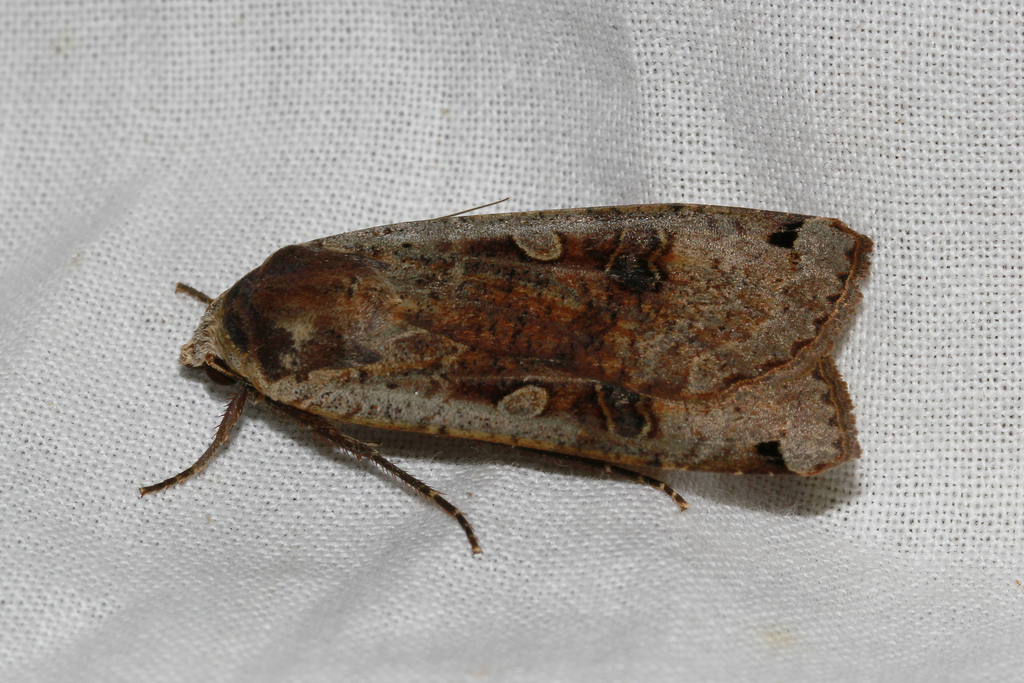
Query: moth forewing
column 677, row 301
column 668, row 336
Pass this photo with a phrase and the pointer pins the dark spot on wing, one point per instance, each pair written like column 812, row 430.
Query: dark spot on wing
column 786, row 236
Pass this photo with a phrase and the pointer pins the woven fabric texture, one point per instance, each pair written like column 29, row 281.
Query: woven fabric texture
column 145, row 143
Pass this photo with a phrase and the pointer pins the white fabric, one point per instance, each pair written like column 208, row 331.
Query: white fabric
column 149, row 142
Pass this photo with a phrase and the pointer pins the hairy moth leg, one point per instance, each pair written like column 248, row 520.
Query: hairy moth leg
column 625, row 473
column 365, row 450
column 231, row 415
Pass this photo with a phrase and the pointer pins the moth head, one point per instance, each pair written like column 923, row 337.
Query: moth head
column 217, row 371
column 306, row 308
column 205, row 349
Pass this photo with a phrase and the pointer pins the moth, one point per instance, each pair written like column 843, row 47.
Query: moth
column 666, row 336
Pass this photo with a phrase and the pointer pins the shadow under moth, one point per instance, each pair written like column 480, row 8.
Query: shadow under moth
column 657, row 336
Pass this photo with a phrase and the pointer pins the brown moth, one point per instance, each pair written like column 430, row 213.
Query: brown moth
column 664, row 336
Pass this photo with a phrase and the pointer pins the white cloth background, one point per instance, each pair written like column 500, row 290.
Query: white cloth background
column 142, row 143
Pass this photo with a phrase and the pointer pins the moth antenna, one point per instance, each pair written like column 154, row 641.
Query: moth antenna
column 482, row 206
column 629, row 475
column 365, row 450
column 231, row 415
column 182, row 288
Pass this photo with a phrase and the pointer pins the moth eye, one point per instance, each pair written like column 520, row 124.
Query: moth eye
column 217, row 376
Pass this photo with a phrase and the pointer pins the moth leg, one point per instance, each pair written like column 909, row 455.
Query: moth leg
column 649, row 481
column 231, row 415
column 631, row 475
column 365, row 450
column 182, row 288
